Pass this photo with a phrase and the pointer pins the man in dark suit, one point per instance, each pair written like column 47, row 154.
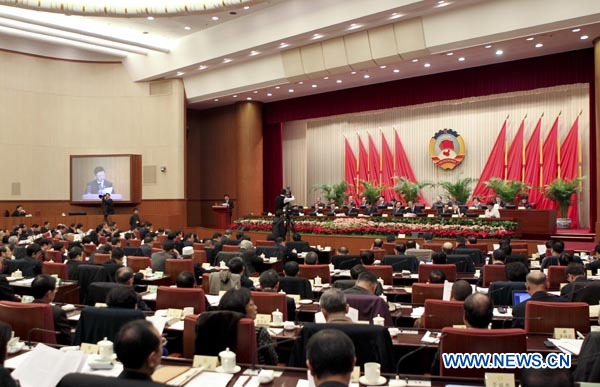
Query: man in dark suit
column 330, row 358
column 575, row 273
column 298, row 244
column 29, row 265
column 366, row 283
column 43, row 289
column 99, row 185
column 279, row 224
column 75, row 256
column 159, row 258
column 536, row 287
column 116, row 262
column 134, row 219
column 254, row 263
column 269, row 282
column 411, row 208
column 228, row 202
column 107, row 206
column 284, row 198
column 594, row 265
column 19, row 211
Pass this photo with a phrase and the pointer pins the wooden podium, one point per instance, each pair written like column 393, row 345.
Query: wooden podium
column 222, row 216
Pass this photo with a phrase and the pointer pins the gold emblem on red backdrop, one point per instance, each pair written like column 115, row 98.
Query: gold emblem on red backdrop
column 447, row 149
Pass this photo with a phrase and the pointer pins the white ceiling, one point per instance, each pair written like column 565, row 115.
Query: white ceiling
column 165, row 48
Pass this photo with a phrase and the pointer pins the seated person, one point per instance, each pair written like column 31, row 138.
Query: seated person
column 185, row 279
column 125, row 277
column 575, row 273
column 5, row 336
column 334, row 306
column 139, row 346
column 366, row 283
column 594, row 264
column 536, row 287
column 311, row 258
column 269, row 282
column 491, row 211
column 298, row 244
column 461, row 289
column 437, row 277
column 516, row 272
column 43, row 289
column 439, row 258
column 412, row 208
column 236, row 266
column 367, row 257
column 30, row 265
column 116, row 262
column 75, row 256
column 122, row 297
column 398, row 209
column 291, row 284
column 330, row 358
column 239, row 300
column 524, row 202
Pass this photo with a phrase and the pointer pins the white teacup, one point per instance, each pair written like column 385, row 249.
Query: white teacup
column 372, row 372
column 318, row 281
column 289, row 325
column 227, row 360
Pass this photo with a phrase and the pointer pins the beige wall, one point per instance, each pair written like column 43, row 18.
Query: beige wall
column 50, row 109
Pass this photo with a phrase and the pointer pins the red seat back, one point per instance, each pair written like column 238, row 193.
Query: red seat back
column 312, row 271
column 179, row 298
column 231, row 248
column 424, row 291
column 25, row 317
column 267, row 303
column 138, row 263
column 448, row 269
column 200, row 256
column 556, row 276
column 175, row 266
column 441, row 314
column 493, row 273
column 264, row 243
column 55, row 256
column 57, row 268
column 385, row 272
column 543, row 317
column 99, row 259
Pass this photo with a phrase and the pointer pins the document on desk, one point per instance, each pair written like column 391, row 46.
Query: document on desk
column 149, row 297
column 158, row 322
column 212, row 379
column 50, row 366
column 213, row 300
column 568, row 346
column 417, row 312
column 24, row 282
column 247, row 381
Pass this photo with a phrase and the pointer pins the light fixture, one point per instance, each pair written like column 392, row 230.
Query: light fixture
column 442, row 4
column 415, row 60
column 583, row 37
column 277, row 87
column 325, row 78
column 187, row 28
column 366, row 76
column 488, row 46
column 576, row 30
column 499, row 52
column 247, row 7
column 539, row 45
column 235, row 96
column 215, row 18
column 427, row 65
column 180, row 73
column 354, row 26
column 254, row 53
column 461, row 59
column 396, row 15
column 283, row 45
column 301, row 83
column 382, row 66
column 316, row 36
column 450, row 53
column 269, row 94
column 396, row 70
column 202, row 67
column 150, row 18
column 255, row 91
column 353, row 73
column 530, row 38
column 338, row 81
column 216, row 100
column 227, row 60
column 290, row 90
column 314, row 86
column 248, row 98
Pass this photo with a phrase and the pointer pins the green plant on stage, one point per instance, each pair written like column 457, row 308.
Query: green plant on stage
column 371, row 191
column 333, row 191
column 409, row 190
column 507, row 189
column 459, row 190
column 561, row 191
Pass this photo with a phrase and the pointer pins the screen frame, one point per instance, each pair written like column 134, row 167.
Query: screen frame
column 135, row 179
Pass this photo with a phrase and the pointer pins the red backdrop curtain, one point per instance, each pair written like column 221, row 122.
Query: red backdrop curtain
column 374, row 163
column 387, row 169
column 272, row 164
column 403, row 167
column 515, row 159
column 533, row 163
column 549, row 170
column 349, row 168
column 363, row 164
column 569, row 166
column 494, row 167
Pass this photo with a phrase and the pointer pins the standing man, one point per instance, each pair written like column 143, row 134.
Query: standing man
column 107, row 206
column 229, row 203
column 284, row 198
column 134, row 219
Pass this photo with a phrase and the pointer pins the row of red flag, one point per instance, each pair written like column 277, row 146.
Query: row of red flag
column 531, row 163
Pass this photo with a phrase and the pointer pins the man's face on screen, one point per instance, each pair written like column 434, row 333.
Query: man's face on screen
column 100, row 176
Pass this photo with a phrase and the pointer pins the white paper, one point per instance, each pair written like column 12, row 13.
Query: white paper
column 50, row 366
column 352, row 315
column 74, row 317
column 212, row 379
column 247, row 381
column 431, row 337
column 447, row 290
column 541, row 249
column 24, row 282
column 178, row 326
column 149, row 297
column 569, row 346
column 116, row 370
column 213, row 300
column 417, row 312
column 496, row 246
column 508, row 313
column 158, row 322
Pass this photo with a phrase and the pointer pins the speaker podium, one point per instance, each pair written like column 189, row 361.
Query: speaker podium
column 222, row 216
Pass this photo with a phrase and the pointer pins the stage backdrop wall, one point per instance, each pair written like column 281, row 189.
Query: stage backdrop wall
column 53, row 108
column 313, row 150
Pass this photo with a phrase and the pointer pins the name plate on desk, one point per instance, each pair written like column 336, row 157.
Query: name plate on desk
column 209, row 363
column 89, row 349
column 262, row 319
column 564, row 333
column 295, row 297
column 174, row 313
column 152, row 289
column 493, row 379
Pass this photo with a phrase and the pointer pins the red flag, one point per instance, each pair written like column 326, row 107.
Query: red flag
column 374, row 164
column 494, row 166
column 515, row 159
column 549, row 170
column 350, row 169
column 533, row 162
column 387, row 169
column 402, row 165
column 363, row 163
column 569, row 163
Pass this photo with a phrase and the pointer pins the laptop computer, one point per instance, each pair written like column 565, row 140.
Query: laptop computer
column 520, row 296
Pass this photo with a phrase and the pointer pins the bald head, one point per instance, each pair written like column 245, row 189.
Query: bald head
column 447, row 247
column 536, row 281
column 461, row 289
column 478, row 311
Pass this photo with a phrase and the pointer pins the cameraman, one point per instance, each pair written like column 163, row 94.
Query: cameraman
column 107, row 205
column 279, row 225
column 284, row 198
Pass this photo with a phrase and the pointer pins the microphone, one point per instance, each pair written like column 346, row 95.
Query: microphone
column 406, row 356
column 265, row 346
column 38, row 330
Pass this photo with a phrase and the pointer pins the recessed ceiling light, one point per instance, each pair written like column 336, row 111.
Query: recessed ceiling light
column 396, row 70
column 187, row 28
column 326, row 78
column 366, row 76
column 277, row 87
column 576, row 30
column 215, row 18
column 461, row 59
column 269, row 95
column 354, row 26
column 290, row 90
column 427, row 65
column 150, row 18
column 314, row 86
column 283, row 45
column 488, row 46
column 235, row 96
column 442, row 4
column 499, row 52
column 583, row 37
column 180, row 73
column 247, row 7
column 450, row 53
column 202, row 67
column 396, row 15
column 539, row 45
column 255, row 91
column 316, row 36
column 530, row 38
column 382, row 67
column 301, row 83
column 249, row 98
column 338, row 81
column 353, row 73
column 227, row 60
column 253, row 53
column 216, row 100
column 415, row 60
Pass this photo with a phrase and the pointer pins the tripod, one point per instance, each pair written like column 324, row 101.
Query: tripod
column 288, row 223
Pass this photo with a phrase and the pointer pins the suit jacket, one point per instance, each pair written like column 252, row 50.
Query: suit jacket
column 519, row 310
column 72, row 267
column 229, row 204
column 595, row 265
column 61, row 324
column 254, row 263
column 566, row 290
column 125, row 379
column 108, row 207
column 147, row 250
column 29, row 266
column 159, row 259
column 94, row 188
column 279, row 227
column 134, row 221
column 111, row 268
column 6, row 292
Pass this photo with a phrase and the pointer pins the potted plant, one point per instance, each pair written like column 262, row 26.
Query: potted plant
column 336, row 192
column 560, row 191
column 409, row 190
column 371, row 191
column 507, row 189
column 459, row 190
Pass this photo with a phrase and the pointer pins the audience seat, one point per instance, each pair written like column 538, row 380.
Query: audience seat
column 389, row 248
column 493, row 273
column 441, row 314
column 501, row 292
column 57, row 268
column 179, row 298
column 312, row 271
column 556, row 276
column 585, row 291
column 448, row 269
column 97, row 292
column 401, row 262
column 198, row 246
column 175, row 266
column 543, row 317
column 200, row 257
column 377, row 253
column 54, row 256
column 89, row 248
column 261, row 242
column 138, row 263
column 345, row 262
column 267, row 303
column 296, row 285
column 369, row 306
column 437, row 247
column 25, row 317
column 97, row 323
column 425, row 291
column 385, row 272
column 230, row 248
column 456, row 340
column 99, row 259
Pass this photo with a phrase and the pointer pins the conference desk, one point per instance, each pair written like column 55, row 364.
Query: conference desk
column 67, row 292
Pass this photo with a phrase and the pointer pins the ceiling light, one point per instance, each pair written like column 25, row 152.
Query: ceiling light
column 187, row 28
column 216, row 100
column 366, row 76
column 150, row 18
column 450, row 54
column 427, row 65
column 316, row 36
column 202, row 67
column 530, row 39
column 277, row 87
column 354, row 26
column 269, row 94
column 215, row 18
column 461, row 59
column 248, row 98
column 227, row 60
column 338, row 81
column 235, row 96
column 539, row 45
column 314, row 86
column 396, row 15
column 499, row 52
column 290, row 90
column 247, row 7
column 576, row 30
column 415, row 60
column 283, row 45
column 326, row 78
column 353, row 73
column 442, row 4
column 301, row 83
column 488, row 46
column 583, row 37
column 180, row 73
column 254, row 53
column 255, row 91
column 396, row 70
column 382, row 67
